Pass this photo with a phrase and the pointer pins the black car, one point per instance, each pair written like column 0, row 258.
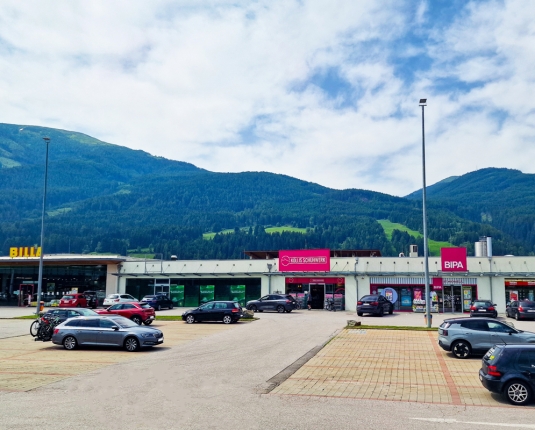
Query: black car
column 376, row 304
column 158, row 301
column 226, row 311
column 92, row 299
column 483, row 308
column 519, row 310
column 273, row 302
column 509, row 370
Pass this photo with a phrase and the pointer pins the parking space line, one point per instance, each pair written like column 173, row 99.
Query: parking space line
column 455, row 397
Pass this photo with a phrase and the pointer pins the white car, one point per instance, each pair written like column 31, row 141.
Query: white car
column 113, row 299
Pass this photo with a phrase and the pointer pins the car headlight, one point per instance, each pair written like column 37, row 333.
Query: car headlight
column 147, row 335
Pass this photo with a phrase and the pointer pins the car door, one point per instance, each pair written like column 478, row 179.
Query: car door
column 513, row 309
column 526, row 364
column 502, row 333
column 263, row 303
column 107, row 335
column 86, row 332
column 477, row 333
column 219, row 311
column 203, row 313
column 115, row 309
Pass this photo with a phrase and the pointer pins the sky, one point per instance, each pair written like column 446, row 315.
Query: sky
column 326, row 91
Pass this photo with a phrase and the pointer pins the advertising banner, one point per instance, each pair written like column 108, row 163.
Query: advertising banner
column 177, row 295
column 237, row 293
column 207, row 293
column 305, row 260
column 453, row 259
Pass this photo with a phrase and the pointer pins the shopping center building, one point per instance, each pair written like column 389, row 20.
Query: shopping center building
column 345, row 275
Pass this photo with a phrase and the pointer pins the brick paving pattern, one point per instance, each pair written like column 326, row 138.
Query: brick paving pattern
column 396, row 365
column 26, row 364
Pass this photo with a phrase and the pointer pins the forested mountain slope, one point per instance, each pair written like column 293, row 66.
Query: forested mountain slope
column 107, row 198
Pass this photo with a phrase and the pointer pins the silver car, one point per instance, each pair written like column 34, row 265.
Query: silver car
column 105, row 330
column 467, row 336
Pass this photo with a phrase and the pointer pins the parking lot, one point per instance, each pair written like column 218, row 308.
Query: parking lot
column 216, row 375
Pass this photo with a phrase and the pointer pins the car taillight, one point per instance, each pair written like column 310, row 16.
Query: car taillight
column 56, row 330
column 375, row 303
column 359, row 303
column 521, row 309
column 288, row 301
column 116, row 300
column 493, row 371
column 472, row 308
column 234, row 310
column 491, row 308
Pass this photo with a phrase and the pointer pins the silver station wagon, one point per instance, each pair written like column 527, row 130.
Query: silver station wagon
column 112, row 330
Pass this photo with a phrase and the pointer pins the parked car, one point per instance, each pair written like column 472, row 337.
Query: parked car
column 75, row 300
column 140, row 313
column 508, row 370
column 273, row 302
column 158, row 301
column 113, row 299
column 109, row 330
column 95, row 298
column 520, row 310
column 226, row 311
column 467, row 336
column 483, row 308
column 376, row 304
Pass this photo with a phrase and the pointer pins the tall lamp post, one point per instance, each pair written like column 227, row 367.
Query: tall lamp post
column 40, row 278
column 423, row 103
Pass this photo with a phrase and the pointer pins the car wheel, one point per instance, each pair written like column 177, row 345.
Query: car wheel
column 288, row 311
column 461, row 349
column 137, row 319
column 381, row 312
column 227, row 319
column 34, row 328
column 280, row 309
column 148, row 322
column 69, row 343
column 78, row 306
column 495, row 315
column 158, row 308
column 517, row 392
column 253, row 308
column 190, row 319
column 171, row 306
column 391, row 311
column 359, row 314
column 517, row 316
column 131, row 344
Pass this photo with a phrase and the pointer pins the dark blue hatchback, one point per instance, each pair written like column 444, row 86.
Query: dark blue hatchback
column 510, row 370
column 158, row 301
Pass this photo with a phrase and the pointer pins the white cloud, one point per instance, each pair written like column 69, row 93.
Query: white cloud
column 185, row 80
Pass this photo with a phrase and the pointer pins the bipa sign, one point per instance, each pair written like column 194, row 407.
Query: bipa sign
column 453, row 260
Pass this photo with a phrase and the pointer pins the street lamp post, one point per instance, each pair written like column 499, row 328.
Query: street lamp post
column 423, row 103
column 40, row 276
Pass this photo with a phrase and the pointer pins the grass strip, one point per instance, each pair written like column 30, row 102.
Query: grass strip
column 389, row 327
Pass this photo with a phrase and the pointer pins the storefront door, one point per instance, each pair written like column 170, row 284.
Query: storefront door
column 317, row 292
column 452, row 300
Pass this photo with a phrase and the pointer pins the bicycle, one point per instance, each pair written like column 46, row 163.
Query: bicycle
column 297, row 305
column 34, row 327
column 46, row 329
column 329, row 305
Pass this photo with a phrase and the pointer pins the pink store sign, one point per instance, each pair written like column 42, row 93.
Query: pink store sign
column 305, row 260
column 453, row 259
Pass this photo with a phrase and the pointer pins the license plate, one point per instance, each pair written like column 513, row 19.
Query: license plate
column 151, row 317
column 482, row 310
column 531, row 310
column 366, row 304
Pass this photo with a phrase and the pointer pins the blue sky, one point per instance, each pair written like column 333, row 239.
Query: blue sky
column 325, row 91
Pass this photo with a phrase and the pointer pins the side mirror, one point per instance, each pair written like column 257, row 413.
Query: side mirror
column 494, row 304
column 114, row 327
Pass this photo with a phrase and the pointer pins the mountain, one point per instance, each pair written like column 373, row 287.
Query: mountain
column 107, row 198
column 503, row 198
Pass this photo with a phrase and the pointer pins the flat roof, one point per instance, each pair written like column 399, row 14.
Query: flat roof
column 268, row 255
column 63, row 260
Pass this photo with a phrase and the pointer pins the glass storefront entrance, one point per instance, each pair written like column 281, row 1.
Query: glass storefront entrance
column 320, row 290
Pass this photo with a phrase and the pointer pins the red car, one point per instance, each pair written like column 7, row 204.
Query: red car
column 137, row 312
column 75, row 300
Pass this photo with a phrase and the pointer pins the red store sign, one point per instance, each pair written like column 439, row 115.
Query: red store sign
column 453, row 259
column 305, row 260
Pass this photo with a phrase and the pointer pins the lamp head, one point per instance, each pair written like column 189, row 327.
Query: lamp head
column 423, row 102
column 46, row 139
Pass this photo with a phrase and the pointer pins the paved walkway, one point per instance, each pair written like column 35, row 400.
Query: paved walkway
column 395, row 365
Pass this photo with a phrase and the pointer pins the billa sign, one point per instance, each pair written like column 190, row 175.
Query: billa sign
column 305, row 260
column 453, row 259
column 25, row 251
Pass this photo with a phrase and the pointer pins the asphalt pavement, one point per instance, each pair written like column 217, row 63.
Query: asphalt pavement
column 220, row 381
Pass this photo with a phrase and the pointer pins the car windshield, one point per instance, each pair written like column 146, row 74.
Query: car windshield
column 482, row 303
column 144, row 305
column 86, row 312
column 124, row 322
column 149, row 297
column 112, row 296
column 369, row 298
column 67, row 298
column 527, row 303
